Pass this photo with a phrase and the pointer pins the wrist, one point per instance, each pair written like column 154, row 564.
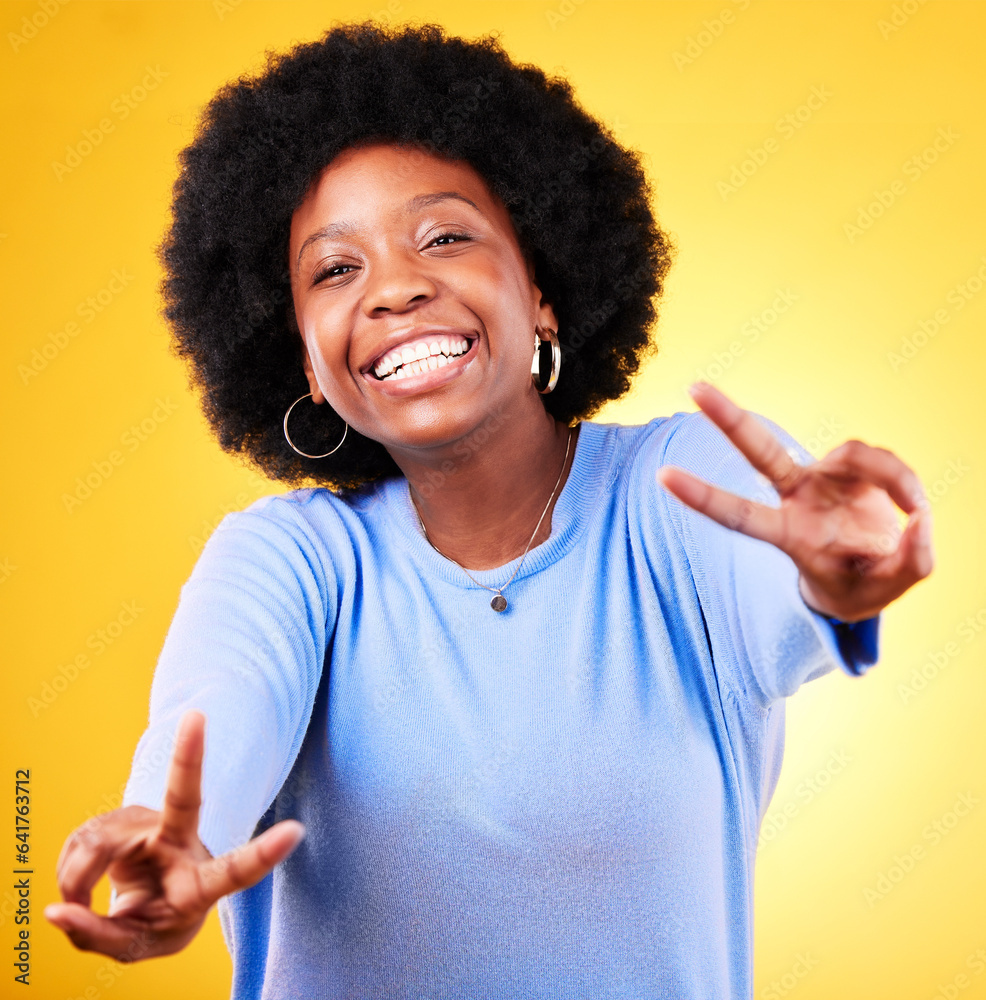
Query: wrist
column 827, row 613
column 813, row 605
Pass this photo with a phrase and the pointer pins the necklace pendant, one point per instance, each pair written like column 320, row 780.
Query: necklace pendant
column 499, row 603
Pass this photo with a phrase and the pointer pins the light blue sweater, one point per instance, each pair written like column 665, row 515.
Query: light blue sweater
column 556, row 802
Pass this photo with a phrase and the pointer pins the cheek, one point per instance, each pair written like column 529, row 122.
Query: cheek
column 501, row 293
column 323, row 336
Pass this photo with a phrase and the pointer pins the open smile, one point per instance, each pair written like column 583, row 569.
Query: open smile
column 422, row 364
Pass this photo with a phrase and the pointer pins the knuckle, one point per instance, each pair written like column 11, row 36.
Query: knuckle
column 181, row 801
column 81, row 940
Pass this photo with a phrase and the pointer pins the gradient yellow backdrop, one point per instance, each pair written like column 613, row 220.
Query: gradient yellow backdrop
column 824, row 157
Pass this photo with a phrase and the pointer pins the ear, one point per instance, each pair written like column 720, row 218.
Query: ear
column 546, row 313
column 545, row 310
column 317, row 395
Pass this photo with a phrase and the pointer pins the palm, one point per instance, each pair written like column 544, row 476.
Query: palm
column 836, row 518
column 156, row 884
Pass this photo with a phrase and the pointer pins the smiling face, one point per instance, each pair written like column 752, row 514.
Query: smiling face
column 415, row 304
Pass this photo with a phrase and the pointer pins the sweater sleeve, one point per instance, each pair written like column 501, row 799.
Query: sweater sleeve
column 245, row 647
column 765, row 640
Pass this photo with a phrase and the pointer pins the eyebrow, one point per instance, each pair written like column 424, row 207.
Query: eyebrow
column 334, row 230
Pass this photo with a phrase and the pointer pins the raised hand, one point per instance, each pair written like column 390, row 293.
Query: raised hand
column 165, row 878
column 836, row 518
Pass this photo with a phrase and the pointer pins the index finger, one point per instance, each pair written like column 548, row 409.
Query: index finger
column 764, row 452
column 183, row 796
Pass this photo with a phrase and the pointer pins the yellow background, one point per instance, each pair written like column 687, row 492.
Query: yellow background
column 824, row 370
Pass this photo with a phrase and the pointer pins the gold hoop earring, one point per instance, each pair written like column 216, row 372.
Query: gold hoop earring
column 287, row 436
column 551, row 338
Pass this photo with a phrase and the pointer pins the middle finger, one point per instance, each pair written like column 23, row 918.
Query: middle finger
column 764, row 452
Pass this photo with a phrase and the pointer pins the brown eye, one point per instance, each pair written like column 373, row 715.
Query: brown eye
column 449, row 236
column 330, row 272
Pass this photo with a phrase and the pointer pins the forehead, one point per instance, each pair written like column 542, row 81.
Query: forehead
column 380, row 178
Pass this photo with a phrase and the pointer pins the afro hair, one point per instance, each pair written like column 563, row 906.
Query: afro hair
column 579, row 202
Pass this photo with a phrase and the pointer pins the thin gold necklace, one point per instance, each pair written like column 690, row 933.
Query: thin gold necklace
column 499, row 602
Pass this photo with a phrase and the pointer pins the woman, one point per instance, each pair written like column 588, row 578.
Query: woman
column 523, row 704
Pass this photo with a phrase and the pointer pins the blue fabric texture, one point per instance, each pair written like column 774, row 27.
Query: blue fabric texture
column 559, row 801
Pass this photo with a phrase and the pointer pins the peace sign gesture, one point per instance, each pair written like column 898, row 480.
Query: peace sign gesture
column 836, row 518
column 165, row 878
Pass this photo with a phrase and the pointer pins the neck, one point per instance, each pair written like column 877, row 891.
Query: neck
column 480, row 497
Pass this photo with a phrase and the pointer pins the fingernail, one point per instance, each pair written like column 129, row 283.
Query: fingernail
column 697, row 387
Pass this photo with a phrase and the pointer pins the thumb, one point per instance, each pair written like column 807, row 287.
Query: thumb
column 914, row 557
column 246, row 865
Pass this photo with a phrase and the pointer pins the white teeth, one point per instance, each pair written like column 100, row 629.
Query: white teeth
column 412, row 359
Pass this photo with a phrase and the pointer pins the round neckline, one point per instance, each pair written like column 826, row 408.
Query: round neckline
column 586, row 476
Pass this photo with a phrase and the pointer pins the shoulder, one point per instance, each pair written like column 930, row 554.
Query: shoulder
column 686, row 439
column 314, row 527
column 313, row 511
column 696, row 444
column 691, row 441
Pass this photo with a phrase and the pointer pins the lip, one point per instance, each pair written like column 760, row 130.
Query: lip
column 426, row 380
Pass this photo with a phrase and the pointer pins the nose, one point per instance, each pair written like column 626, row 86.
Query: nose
column 396, row 284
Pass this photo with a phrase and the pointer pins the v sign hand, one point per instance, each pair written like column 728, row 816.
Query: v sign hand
column 165, row 878
column 836, row 518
